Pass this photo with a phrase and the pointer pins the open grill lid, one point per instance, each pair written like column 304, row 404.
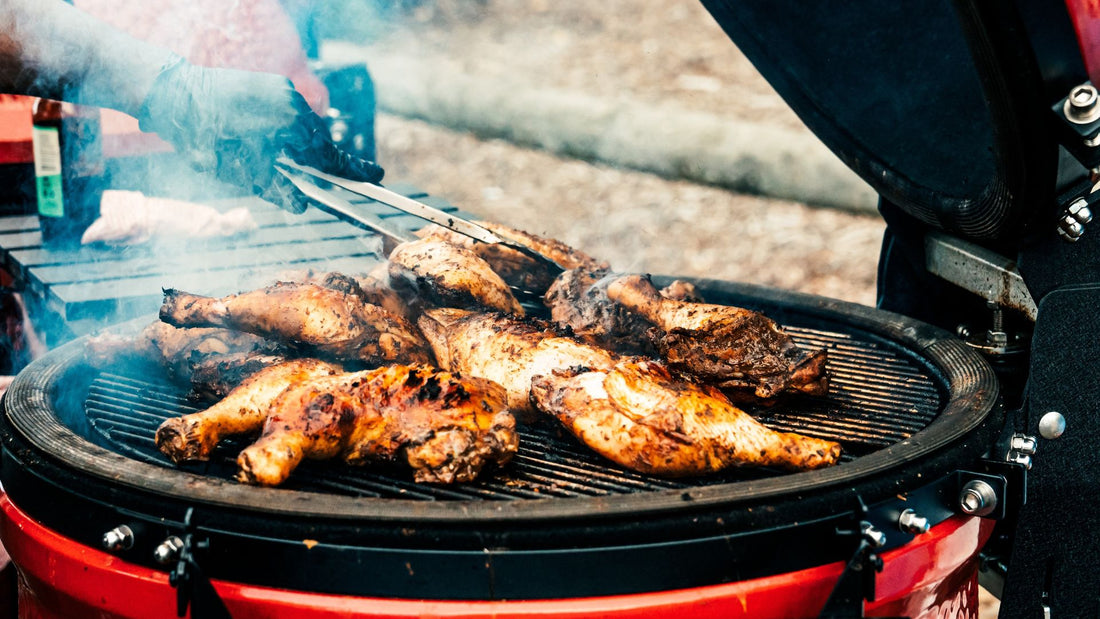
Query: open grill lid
column 909, row 403
column 942, row 107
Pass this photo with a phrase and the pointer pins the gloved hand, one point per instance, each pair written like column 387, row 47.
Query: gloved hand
column 236, row 123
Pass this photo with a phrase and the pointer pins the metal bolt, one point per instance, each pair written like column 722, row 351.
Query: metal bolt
column 963, row 331
column 1080, row 210
column 118, row 538
column 1016, row 457
column 910, row 522
column 1081, row 105
column 876, row 538
column 168, row 551
column 1052, row 425
column 977, row 498
column 1024, row 444
column 1070, row 229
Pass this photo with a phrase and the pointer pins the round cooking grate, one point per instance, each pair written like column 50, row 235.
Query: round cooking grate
column 879, row 394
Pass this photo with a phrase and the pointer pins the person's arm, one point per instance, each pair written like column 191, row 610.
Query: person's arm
column 232, row 123
column 50, row 49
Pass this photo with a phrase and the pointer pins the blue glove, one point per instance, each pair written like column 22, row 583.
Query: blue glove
column 237, row 123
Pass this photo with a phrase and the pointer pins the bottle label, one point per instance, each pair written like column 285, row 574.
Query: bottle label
column 47, row 171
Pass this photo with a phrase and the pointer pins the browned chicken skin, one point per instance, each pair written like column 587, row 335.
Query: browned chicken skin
column 445, row 427
column 641, row 417
column 174, row 347
column 451, row 275
column 505, row 350
column 212, row 360
column 514, row 267
column 578, row 300
column 194, row 437
column 307, row 317
column 728, row 346
column 215, row 376
column 373, row 288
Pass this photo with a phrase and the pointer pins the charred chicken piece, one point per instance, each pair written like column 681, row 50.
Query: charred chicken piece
column 445, row 427
column 641, row 417
column 728, row 346
column 180, row 350
column 504, row 349
column 516, row 269
column 194, row 437
column 308, row 318
column 215, row 376
column 450, row 275
column 373, row 288
column 377, row 289
column 578, row 300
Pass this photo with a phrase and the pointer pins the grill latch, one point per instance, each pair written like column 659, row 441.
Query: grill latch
column 193, row 588
column 857, row 582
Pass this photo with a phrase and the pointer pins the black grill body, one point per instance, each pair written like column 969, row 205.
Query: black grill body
column 910, row 405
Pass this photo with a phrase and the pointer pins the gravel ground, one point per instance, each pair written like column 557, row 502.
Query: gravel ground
column 650, row 51
column 656, row 52
column 640, row 222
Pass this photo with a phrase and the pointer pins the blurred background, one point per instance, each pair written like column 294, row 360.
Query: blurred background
column 634, row 130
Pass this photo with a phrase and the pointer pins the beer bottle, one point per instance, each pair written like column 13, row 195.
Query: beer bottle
column 69, row 169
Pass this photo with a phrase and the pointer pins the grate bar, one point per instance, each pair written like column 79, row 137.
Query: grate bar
column 878, row 395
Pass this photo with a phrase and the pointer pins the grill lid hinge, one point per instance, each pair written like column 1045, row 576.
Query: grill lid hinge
column 192, row 586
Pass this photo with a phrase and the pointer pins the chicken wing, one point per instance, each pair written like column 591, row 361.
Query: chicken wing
column 505, row 350
column 450, row 275
column 445, row 427
column 309, row 318
column 729, row 346
column 641, row 417
column 193, row 437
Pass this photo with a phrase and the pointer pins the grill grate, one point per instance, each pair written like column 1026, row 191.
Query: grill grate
column 879, row 394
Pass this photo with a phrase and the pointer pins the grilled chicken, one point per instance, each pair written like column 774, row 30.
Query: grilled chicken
column 505, row 350
column 578, row 300
column 445, row 427
column 728, row 346
column 450, row 275
column 215, row 376
column 641, row 417
column 186, row 354
column 377, row 289
column 514, row 267
column 373, row 288
column 194, row 437
column 309, row 318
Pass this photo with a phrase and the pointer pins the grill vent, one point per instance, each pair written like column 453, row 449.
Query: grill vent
column 878, row 395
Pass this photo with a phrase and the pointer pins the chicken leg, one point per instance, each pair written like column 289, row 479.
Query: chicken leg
column 445, row 427
column 641, row 417
column 311, row 318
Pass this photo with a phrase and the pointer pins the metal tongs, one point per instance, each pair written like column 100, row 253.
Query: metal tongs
column 304, row 178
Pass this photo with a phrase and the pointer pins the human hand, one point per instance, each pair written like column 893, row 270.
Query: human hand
column 237, row 123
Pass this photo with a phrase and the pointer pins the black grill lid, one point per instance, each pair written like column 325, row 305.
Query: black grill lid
column 940, row 106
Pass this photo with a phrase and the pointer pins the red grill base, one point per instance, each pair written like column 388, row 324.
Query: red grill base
column 933, row 576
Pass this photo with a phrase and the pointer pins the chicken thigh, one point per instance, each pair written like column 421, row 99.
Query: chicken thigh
column 729, row 346
column 505, row 350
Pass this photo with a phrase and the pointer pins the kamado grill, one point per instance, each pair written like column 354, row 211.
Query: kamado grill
column 558, row 529
column 973, row 123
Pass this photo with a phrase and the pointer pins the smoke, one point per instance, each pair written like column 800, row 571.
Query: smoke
column 259, row 35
